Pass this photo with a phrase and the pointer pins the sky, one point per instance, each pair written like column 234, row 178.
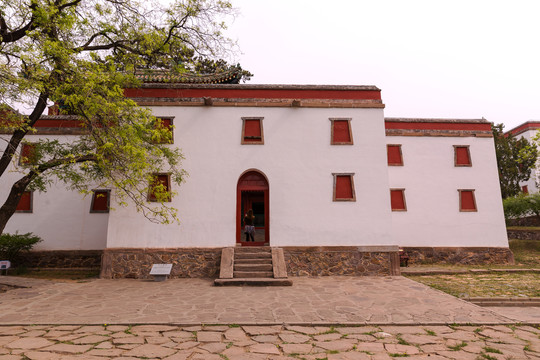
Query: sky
column 431, row 58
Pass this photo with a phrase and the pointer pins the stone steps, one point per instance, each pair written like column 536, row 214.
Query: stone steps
column 253, row 274
column 253, row 282
column 253, row 266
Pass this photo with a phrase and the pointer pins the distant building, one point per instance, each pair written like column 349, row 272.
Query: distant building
column 528, row 130
column 330, row 180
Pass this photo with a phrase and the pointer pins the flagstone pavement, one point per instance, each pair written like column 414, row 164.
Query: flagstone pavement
column 317, row 318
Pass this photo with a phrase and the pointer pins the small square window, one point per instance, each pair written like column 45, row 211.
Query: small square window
column 165, row 123
column 341, row 133
column 394, row 154
column 344, row 187
column 28, row 154
column 25, row 203
column 467, row 202
column 100, row 201
column 397, row 200
column 252, row 131
column 161, row 184
column 462, row 156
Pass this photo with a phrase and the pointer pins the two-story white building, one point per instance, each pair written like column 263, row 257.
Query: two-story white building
column 332, row 182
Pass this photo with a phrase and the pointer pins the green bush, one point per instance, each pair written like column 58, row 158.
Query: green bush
column 11, row 245
column 521, row 206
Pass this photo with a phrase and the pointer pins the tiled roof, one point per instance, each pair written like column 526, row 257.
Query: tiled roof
column 160, row 76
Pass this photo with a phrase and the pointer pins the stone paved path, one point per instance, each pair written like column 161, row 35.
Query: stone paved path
column 325, row 300
column 267, row 342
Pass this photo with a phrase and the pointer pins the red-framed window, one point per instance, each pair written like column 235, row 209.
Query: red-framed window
column 161, row 183
column 341, row 133
column 25, row 204
column 100, row 201
column 165, row 123
column 394, row 154
column 28, row 154
column 525, row 189
column 344, row 187
column 467, row 201
column 397, row 200
column 462, row 155
column 252, row 131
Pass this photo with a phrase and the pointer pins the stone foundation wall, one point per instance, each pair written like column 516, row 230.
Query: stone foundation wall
column 342, row 260
column 61, row 259
column 523, row 234
column 136, row 263
column 459, row 255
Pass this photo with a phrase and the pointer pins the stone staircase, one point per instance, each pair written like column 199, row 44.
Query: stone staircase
column 257, row 266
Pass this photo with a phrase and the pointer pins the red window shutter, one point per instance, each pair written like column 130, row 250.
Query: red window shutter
column 28, row 154
column 165, row 124
column 25, row 203
column 463, row 157
column 397, row 199
column 468, row 202
column 341, row 132
column 162, row 179
column 394, row 154
column 100, row 201
column 525, row 189
column 252, row 130
column 344, row 190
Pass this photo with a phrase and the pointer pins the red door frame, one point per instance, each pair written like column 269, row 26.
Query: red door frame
column 258, row 182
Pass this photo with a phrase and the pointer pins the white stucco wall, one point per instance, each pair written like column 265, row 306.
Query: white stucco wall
column 60, row 217
column 297, row 159
column 431, row 182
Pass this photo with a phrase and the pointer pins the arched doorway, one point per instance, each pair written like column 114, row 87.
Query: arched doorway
column 252, row 192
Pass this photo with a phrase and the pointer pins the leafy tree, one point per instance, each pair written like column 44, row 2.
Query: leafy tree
column 81, row 54
column 515, row 160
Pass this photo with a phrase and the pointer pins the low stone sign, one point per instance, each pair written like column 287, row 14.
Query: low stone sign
column 160, row 271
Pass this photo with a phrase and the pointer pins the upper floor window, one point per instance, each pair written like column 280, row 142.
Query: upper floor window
column 462, row 155
column 467, row 201
column 160, row 188
column 344, row 187
column 28, row 154
column 167, row 124
column 252, row 130
column 394, row 154
column 25, row 204
column 341, row 132
column 397, row 200
column 100, row 201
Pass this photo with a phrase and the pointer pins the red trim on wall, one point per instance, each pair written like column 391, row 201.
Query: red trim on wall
column 529, row 125
column 58, row 123
column 254, row 93
column 400, row 125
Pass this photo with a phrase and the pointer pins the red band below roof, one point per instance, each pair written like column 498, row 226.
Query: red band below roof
column 529, row 125
column 253, row 93
column 400, row 125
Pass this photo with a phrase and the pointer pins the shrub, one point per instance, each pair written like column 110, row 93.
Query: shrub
column 521, row 206
column 11, row 245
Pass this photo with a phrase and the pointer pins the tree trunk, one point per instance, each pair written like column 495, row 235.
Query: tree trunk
column 10, row 205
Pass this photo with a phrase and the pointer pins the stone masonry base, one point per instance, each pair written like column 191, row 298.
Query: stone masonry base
column 459, row 255
column 61, row 259
column 300, row 261
column 205, row 262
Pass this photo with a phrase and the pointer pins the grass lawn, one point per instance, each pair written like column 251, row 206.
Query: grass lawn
column 526, row 254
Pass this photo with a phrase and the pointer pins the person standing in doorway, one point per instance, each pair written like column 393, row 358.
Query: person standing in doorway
column 249, row 222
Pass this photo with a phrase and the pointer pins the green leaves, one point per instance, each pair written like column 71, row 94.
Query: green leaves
column 81, row 54
column 515, row 160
